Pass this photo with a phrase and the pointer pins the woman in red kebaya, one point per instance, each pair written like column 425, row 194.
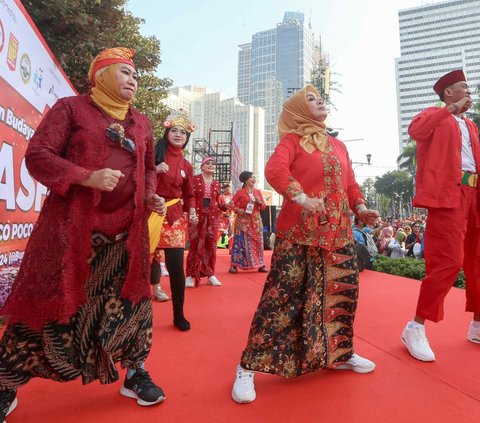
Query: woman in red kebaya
column 174, row 182
column 202, row 253
column 247, row 249
column 304, row 321
column 81, row 300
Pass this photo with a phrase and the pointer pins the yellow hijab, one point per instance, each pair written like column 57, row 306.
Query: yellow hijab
column 106, row 94
column 296, row 118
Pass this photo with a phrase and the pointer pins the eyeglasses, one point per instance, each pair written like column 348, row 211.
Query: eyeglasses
column 116, row 132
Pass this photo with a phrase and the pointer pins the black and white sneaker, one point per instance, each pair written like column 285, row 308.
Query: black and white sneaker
column 141, row 387
column 8, row 402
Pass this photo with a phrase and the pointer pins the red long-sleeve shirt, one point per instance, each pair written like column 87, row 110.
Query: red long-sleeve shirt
column 328, row 175
column 176, row 183
column 439, row 157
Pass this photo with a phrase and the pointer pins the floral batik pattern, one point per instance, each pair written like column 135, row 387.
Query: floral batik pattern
column 304, row 321
column 173, row 235
column 105, row 330
column 247, row 250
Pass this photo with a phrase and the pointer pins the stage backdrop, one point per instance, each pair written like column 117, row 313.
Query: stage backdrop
column 30, row 82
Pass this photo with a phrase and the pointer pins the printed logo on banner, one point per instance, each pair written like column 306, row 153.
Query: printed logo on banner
column 54, row 82
column 2, row 36
column 12, row 52
column 38, row 77
column 25, row 68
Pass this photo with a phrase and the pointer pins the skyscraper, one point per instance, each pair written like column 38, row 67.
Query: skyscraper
column 434, row 39
column 214, row 113
column 272, row 66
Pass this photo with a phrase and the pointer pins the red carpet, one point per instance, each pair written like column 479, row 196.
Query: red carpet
column 196, row 369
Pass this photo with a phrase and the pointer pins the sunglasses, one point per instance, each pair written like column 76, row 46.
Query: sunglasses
column 116, row 133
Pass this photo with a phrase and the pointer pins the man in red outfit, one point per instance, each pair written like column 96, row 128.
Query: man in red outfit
column 448, row 160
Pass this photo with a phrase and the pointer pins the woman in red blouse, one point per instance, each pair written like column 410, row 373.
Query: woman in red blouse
column 310, row 295
column 202, row 253
column 81, row 300
column 247, row 249
column 174, row 182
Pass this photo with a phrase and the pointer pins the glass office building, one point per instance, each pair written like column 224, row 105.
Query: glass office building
column 274, row 64
column 434, row 39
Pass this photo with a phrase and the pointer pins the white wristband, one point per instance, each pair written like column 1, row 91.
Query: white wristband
column 300, row 199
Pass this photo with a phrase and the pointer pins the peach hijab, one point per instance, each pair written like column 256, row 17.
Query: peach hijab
column 297, row 119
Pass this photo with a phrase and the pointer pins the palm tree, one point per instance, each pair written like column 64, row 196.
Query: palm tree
column 407, row 160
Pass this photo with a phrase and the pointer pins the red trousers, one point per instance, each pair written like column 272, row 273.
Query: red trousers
column 452, row 242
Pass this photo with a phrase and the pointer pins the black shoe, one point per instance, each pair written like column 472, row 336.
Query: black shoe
column 263, row 269
column 141, row 387
column 8, row 402
column 181, row 323
column 233, row 269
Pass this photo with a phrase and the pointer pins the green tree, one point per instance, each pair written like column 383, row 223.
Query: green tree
column 407, row 160
column 394, row 184
column 368, row 189
column 77, row 30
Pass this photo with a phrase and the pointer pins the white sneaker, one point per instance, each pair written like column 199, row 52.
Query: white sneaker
column 8, row 403
column 12, row 407
column 473, row 334
column 357, row 364
column 415, row 339
column 212, row 280
column 159, row 294
column 189, row 282
column 163, row 269
column 243, row 390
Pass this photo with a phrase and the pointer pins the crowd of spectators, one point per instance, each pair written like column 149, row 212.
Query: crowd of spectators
column 395, row 238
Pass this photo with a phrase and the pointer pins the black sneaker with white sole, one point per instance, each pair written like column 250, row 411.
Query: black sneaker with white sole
column 141, row 387
column 8, row 402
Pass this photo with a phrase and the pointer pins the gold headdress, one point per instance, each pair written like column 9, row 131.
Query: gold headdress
column 179, row 118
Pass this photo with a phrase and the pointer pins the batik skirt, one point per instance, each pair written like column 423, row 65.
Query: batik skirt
column 173, row 236
column 105, row 330
column 304, row 321
column 202, row 253
column 247, row 249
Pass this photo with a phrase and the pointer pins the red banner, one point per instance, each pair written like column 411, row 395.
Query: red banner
column 30, row 83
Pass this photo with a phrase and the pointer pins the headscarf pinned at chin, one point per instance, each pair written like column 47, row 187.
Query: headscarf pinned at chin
column 104, row 89
column 296, row 118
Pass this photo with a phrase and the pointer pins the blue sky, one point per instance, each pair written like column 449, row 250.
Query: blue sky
column 199, row 42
